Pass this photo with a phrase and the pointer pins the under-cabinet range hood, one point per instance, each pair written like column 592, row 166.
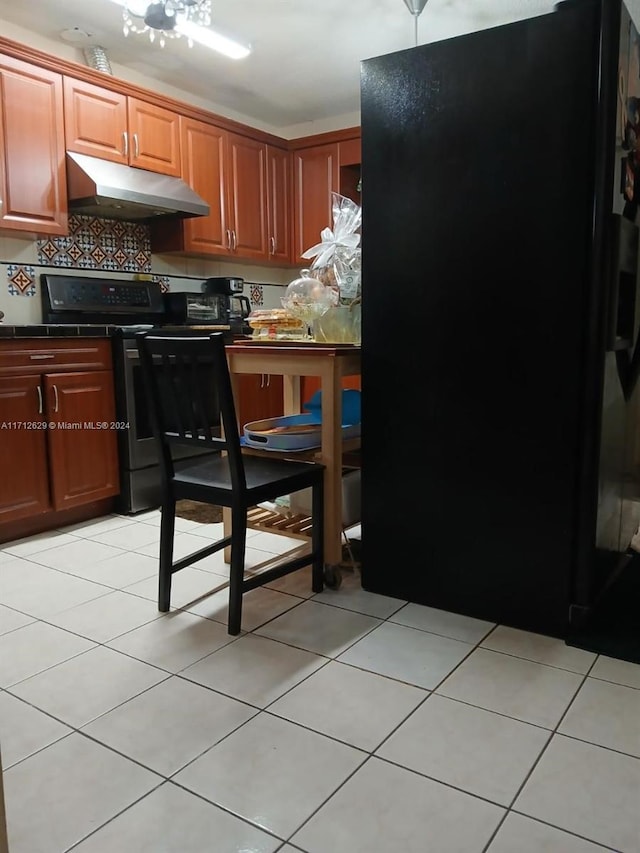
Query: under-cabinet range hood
column 115, row 191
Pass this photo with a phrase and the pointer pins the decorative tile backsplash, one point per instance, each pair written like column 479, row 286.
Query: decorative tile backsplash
column 99, row 244
column 21, row 280
column 98, row 247
column 256, row 295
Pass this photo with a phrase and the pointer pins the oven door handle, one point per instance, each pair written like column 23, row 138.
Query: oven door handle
column 133, row 356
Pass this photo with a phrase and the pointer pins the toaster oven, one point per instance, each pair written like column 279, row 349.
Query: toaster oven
column 197, row 309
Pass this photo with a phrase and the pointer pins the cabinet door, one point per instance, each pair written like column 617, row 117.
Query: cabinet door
column 258, row 396
column 350, row 159
column 247, row 178
column 95, row 121
column 203, row 168
column 24, row 482
column 154, row 138
column 33, row 189
column 83, row 460
column 279, row 204
column 316, row 176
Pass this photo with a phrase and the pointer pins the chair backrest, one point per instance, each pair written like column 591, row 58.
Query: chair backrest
column 191, row 397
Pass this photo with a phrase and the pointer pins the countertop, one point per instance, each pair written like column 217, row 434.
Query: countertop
column 49, row 330
column 86, row 330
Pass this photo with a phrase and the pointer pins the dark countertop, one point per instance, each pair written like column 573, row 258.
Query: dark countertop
column 49, row 330
column 86, row 330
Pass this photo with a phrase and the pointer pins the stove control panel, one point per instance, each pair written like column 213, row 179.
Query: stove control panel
column 91, row 294
column 65, row 296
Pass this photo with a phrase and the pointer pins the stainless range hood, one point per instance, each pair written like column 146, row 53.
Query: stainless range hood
column 114, row 191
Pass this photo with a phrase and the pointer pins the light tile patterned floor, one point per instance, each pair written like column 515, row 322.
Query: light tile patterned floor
column 342, row 722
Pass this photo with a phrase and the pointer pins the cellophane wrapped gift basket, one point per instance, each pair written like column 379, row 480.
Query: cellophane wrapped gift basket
column 337, row 264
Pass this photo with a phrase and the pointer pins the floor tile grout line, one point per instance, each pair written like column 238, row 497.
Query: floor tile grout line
column 553, row 733
column 563, row 829
column 76, row 844
column 227, row 810
column 539, row 662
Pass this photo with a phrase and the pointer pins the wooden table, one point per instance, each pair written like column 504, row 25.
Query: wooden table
column 329, row 362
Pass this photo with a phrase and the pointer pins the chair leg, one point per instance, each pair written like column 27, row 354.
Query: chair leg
column 236, row 569
column 167, row 528
column 317, row 537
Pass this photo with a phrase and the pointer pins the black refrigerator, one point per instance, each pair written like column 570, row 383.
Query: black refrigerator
column 500, row 186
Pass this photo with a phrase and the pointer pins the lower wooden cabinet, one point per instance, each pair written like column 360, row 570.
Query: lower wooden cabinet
column 58, row 437
column 24, row 488
column 83, row 460
column 258, row 396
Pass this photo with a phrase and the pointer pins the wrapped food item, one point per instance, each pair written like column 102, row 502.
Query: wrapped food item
column 337, row 258
column 274, row 323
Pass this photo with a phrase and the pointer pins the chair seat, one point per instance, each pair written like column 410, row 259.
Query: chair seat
column 266, row 477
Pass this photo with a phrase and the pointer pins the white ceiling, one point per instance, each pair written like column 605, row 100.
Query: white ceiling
column 305, row 65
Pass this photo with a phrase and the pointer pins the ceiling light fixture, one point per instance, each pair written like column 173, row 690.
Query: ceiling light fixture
column 415, row 7
column 175, row 18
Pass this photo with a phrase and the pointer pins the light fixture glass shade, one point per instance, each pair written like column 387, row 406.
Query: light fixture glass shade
column 174, row 18
column 163, row 18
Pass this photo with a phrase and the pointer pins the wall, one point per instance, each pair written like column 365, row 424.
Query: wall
column 107, row 247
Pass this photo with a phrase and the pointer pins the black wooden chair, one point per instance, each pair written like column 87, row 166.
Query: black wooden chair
column 183, row 374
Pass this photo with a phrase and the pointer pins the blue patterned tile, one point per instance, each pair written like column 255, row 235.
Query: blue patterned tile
column 21, row 280
column 164, row 281
column 256, row 294
column 99, row 244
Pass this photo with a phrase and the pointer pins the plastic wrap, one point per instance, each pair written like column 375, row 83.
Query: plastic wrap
column 338, row 256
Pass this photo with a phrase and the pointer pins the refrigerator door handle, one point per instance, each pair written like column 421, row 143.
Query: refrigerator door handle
column 623, row 335
column 628, row 369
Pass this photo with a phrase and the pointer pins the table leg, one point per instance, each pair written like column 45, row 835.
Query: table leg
column 331, row 387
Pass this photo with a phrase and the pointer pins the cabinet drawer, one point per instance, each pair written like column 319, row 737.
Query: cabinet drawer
column 41, row 355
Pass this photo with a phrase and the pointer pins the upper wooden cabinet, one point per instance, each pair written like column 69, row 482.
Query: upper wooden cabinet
column 113, row 126
column 332, row 165
column 316, row 172
column 33, row 190
column 245, row 183
column 279, row 203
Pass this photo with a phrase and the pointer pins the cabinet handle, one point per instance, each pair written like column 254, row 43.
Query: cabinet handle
column 125, row 143
column 41, row 356
column 235, row 242
column 272, row 245
column 262, row 380
column 55, row 394
column 268, row 379
column 40, row 408
column 136, row 149
column 228, row 232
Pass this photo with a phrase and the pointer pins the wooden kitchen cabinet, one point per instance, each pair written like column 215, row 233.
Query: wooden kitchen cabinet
column 113, row 126
column 258, row 396
column 279, row 204
column 33, row 189
column 83, row 462
column 331, row 165
column 246, row 180
column 248, row 199
column 23, row 452
column 52, row 460
column 316, row 174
